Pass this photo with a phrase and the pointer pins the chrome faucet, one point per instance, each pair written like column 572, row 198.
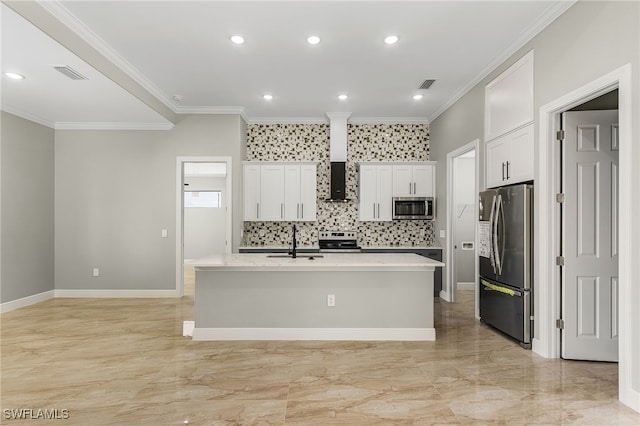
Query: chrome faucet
column 293, row 244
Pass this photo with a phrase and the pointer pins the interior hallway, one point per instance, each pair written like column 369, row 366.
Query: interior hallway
column 125, row 361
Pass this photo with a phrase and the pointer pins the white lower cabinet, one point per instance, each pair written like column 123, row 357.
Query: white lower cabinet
column 376, row 192
column 279, row 191
column 510, row 158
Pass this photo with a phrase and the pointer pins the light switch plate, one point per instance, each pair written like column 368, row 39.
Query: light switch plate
column 442, row 234
column 165, row 233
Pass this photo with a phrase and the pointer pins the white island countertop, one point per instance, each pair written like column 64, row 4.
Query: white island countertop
column 320, row 262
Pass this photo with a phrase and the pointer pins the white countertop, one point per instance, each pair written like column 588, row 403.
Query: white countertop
column 320, row 262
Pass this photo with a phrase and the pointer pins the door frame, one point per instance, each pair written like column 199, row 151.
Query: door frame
column 449, row 292
column 547, row 224
column 180, row 211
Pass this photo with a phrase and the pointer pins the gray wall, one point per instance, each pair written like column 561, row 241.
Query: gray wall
column 586, row 42
column 27, row 234
column 116, row 191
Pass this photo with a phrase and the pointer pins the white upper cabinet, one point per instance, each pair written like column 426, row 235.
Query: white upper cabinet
column 251, row 179
column 510, row 158
column 279, row 191
column 376, row 192
column 509, row 125
column 414, row 179
column 300, row 192
column 271, row 193
column 509, row 99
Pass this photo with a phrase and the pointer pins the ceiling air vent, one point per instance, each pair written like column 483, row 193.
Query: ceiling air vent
column 426, row 84
column 69, row 72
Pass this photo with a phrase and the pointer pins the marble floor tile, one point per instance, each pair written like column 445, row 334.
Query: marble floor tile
column 125, row 361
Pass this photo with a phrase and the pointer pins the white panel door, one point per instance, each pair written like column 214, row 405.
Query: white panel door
column 403, row 180
column 590, row 275
column 308, row 192
column 384, row 203
column 292, row 192
column 272, row 193
column 423, row 177
column 368, row 193
column 498, row 152
column 251, row 178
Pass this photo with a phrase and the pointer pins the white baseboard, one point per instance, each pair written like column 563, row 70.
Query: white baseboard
column 116, row 294
column 466, row 286
column 395, row 334
column 26, row 301
column 444, row 295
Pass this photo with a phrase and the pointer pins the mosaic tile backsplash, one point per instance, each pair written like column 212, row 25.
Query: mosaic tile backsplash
column 366, row 142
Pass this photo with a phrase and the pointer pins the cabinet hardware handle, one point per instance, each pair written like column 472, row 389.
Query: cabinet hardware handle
column 503, row 170
column 414, row 188
column 298, row 211
column 257, row 210
column 302, row 211
column 374, row 210
column 281, row 211
column 409, row 188
column 508, row 164
column 378, row 210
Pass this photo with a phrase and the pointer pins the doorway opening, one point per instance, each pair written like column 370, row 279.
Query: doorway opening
column 203, row 212
column 462, row 190
column 548, row 298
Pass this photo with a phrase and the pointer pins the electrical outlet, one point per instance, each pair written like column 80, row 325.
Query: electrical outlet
column 96, row 272
column 331, row 300
column 164, row 233
column 442, row 234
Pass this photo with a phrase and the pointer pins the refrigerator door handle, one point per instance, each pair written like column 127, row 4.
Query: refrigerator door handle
column 494, row 236
column 492, row 254
column 500, row 244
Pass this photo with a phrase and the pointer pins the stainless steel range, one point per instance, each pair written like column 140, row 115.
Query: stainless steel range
column 338, row 242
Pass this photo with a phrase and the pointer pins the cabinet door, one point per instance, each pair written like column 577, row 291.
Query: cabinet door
column 403, row 183
column 384, row 204
column 271, row 193
column 251, row 184
column 292, row 192
column 520, row 167
column 498, row 152
column 423, row 178
column 368, row 193
column 308, row 192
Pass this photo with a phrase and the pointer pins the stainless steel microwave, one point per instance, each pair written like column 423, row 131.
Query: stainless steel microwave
column 414, row 208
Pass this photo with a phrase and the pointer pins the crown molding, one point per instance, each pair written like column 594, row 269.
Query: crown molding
column 28, row 116
column 213, row 110
column 546, row 19
column 113, row 126
column 353, row 120
column 288, row 120
column 388, row 120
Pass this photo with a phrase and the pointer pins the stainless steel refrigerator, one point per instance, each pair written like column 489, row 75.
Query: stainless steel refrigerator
column 505, row 260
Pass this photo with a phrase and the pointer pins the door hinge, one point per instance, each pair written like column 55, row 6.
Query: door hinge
column 560, row 198
column 560, row 324
column 560, row 135
column 560, row 260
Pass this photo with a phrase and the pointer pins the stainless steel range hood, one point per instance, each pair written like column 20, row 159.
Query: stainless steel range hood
column 338, row 155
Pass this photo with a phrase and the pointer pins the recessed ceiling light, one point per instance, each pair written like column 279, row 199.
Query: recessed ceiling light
column 267, row 97
column 392, row 39
column 314, row 39
column 14, row 75
column 237, row 39
column 343, row 97
column 417, row 97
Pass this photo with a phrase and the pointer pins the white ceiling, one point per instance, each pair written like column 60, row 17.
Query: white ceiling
column 182, row 48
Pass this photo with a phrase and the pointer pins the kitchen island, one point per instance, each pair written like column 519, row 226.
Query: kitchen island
column 265, row 297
